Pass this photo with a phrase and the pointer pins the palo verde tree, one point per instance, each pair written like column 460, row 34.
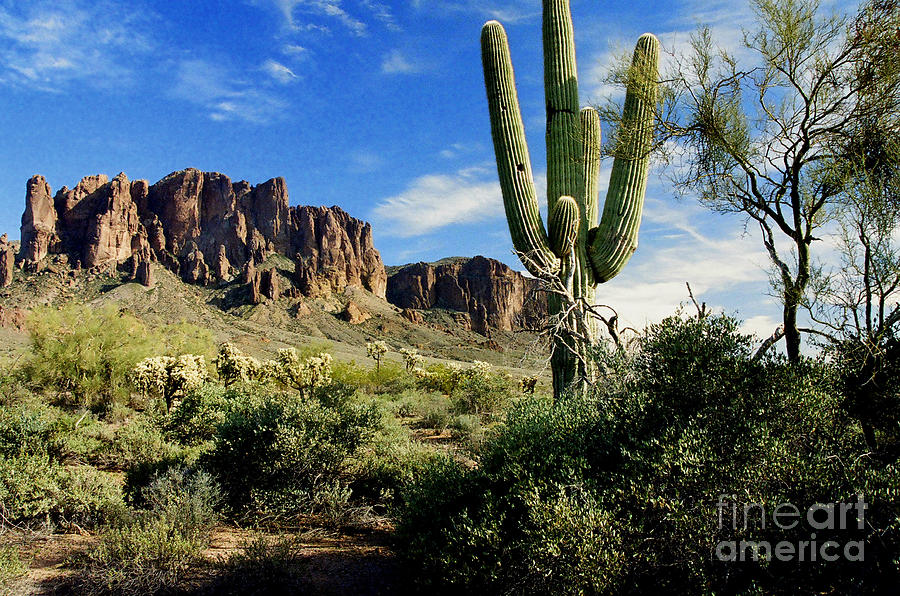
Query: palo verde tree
column 573, row 253
column 752, row 129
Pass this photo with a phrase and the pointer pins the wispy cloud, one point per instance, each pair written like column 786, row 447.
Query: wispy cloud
column 456, row 150
column 505, row 12
column 295, row 50
column 395, row 62
column 45, row 45
column 434, row 201
column 293, row 12
column 365, row 162
column 383, row 13
column 279, row 72
column 223, row 95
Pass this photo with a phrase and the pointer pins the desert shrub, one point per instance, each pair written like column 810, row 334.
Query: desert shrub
column 140, row 441
column 199, row 414
column 36, row 488
column 389, row 378
column 483, row 391
column 387, row 463
column 31, row 429
column 274, row 451
column 262, row 565
column 475, row 389
column 564, row 492
column 435, row 412
column 467, row 428
column 84, row 355
column 11, row 566
column 152, row 550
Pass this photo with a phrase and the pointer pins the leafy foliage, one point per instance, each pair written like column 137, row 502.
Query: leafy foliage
column 275, row 452
column 564, row 494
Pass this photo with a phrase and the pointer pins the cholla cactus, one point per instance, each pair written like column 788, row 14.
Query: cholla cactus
column 234, row 367
column 302, row 375
column 528, row 384
column 376, row 350
column 412, row 358
column 169, row 377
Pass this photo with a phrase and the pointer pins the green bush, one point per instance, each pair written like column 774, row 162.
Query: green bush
column 31, row 429
column 84, row 355
column 199, row 414
column 154, row 549
column 390, row 377
column 262, row 565
column 565, row 494
column 467, row 428
column 11, row 566
column 390, row 461
column 274, row 452
column 435, row 412
column 35, row 488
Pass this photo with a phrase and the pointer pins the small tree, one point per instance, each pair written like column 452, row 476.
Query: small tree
column 376, row 350
column 752, row 135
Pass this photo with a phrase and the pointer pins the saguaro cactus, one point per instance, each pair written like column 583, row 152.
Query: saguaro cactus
column 577, row 253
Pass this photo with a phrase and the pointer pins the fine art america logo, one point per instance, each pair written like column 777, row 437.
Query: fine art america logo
column 821, row 525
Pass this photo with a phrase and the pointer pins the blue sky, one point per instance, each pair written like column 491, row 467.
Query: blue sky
column 376, row 106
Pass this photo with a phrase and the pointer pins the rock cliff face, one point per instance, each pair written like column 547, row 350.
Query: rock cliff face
column 7, row 260
column 200, row 225
column 494, row 295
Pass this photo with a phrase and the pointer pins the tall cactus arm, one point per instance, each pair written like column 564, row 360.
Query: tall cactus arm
column 513, row 163
column 615, row 239
column 561, row 91
column 590, row 165
column 564, row 222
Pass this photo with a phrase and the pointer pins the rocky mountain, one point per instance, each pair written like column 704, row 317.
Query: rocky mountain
column 200, row 225
column 207, row 230
column 493, row 295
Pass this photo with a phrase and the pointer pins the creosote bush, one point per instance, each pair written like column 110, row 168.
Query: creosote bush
column 153, row 550
column 617, row 492
column 274, row 452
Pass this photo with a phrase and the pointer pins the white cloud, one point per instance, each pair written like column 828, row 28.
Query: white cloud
column 505, row 12
column 394, row 62
column 279, row 71
column 292, row 49
column 383, row 13
column 45, row 45
column 223, row 95
column 456, row 150
column 434, row 201
column 331, row 10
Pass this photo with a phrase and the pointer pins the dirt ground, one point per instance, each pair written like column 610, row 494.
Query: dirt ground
column 360, row 563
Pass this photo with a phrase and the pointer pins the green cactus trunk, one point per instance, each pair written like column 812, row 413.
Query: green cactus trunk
column 578, row 252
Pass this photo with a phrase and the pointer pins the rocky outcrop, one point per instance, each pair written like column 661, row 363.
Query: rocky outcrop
column 202, row 226
column 354, row 315
column 493, row 295
column 333, row 250
column 7, row 262
column 38, row 223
